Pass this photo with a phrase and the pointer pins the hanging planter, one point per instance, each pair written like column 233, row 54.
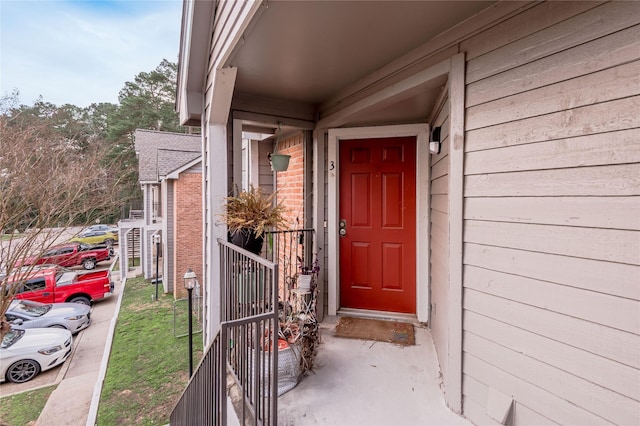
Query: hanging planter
column 279, row 162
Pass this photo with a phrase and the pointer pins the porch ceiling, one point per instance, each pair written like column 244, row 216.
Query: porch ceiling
column 309, row 51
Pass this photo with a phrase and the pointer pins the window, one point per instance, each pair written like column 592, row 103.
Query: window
column 34, row 285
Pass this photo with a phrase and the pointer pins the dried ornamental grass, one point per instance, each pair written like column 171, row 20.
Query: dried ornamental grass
column 254, row 210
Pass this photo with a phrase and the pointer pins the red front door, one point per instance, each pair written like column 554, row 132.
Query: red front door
column 377, row 224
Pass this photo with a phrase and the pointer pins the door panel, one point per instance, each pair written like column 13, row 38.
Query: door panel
column 378, row 211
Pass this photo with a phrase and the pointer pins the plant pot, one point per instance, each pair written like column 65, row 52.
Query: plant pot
column 279, row 162
column 304, row 282
column 246, row 238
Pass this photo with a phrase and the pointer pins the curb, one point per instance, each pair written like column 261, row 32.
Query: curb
column 97, row 389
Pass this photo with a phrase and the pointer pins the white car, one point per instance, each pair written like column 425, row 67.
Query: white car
column 31, row 314
column 25, row 353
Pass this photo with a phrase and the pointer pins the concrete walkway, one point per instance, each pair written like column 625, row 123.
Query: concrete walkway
column 71, row 402
column 355, row 382
column 358, row 382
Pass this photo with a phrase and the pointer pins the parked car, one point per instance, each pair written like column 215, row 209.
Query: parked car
column 102, row 227
column 30, row 314
column 96, row 237
column 71, row 254
column 24, row 353
column 57, row 285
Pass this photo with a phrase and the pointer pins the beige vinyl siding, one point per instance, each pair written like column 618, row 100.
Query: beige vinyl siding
column 439, row 238
column 265, row 174
column 552, row 214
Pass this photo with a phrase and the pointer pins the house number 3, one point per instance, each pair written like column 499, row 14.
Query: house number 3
column 332, row 165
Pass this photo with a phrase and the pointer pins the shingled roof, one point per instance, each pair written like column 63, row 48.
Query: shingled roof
column 162, row 152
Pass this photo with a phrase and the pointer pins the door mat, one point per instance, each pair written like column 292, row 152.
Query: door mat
column 371, row 329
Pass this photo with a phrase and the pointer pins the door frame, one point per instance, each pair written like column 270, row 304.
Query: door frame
column 421, row 132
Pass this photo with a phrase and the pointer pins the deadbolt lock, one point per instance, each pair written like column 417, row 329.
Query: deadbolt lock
column 343, row 227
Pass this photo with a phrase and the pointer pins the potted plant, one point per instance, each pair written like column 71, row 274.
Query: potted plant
column 307, row 274
column 279, row 162
column 249, row 214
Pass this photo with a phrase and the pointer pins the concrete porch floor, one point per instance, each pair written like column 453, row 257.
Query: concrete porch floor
column 358, row 382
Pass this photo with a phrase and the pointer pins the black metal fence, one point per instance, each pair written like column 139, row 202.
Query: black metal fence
column 292, row 250
column 245, row 348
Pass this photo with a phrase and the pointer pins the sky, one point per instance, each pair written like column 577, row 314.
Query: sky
column 83, row 52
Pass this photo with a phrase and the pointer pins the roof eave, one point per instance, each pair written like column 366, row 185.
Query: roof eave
column 197, row 19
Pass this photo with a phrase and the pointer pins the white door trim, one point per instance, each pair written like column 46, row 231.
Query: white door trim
column 421, row 132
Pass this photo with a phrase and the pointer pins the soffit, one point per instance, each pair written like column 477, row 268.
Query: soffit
column 307, row 51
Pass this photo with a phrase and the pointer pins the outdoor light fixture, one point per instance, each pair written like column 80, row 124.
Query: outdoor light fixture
column 190, row 280
column 434, row 141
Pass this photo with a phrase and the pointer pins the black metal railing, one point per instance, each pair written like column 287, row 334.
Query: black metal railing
column 204, row 401
column 292, row 250
column 245, row 347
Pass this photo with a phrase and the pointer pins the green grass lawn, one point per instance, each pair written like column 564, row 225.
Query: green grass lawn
column 147, row 370
column 148, row 367
column 24, row 408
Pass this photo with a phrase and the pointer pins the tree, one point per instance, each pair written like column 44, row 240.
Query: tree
column 66, row 166
column 51, row 177
column 148, row 102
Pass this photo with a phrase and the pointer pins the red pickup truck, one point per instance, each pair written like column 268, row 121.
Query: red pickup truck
column 71, row 254
column 55, row 284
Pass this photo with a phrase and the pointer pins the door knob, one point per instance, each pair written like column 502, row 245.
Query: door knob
column 343, row 227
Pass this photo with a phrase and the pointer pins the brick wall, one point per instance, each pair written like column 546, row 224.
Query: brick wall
column 290, row 183
column 188, row 226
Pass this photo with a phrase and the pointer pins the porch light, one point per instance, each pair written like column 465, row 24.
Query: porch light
column 434, row 141
column 190, row 280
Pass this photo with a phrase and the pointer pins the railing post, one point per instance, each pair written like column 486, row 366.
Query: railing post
column 276, row 326
column 222, row 368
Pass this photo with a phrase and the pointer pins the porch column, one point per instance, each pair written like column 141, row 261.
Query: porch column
column 215, row 181
column 319, row 221
column 215, row 190
column 453, row 384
